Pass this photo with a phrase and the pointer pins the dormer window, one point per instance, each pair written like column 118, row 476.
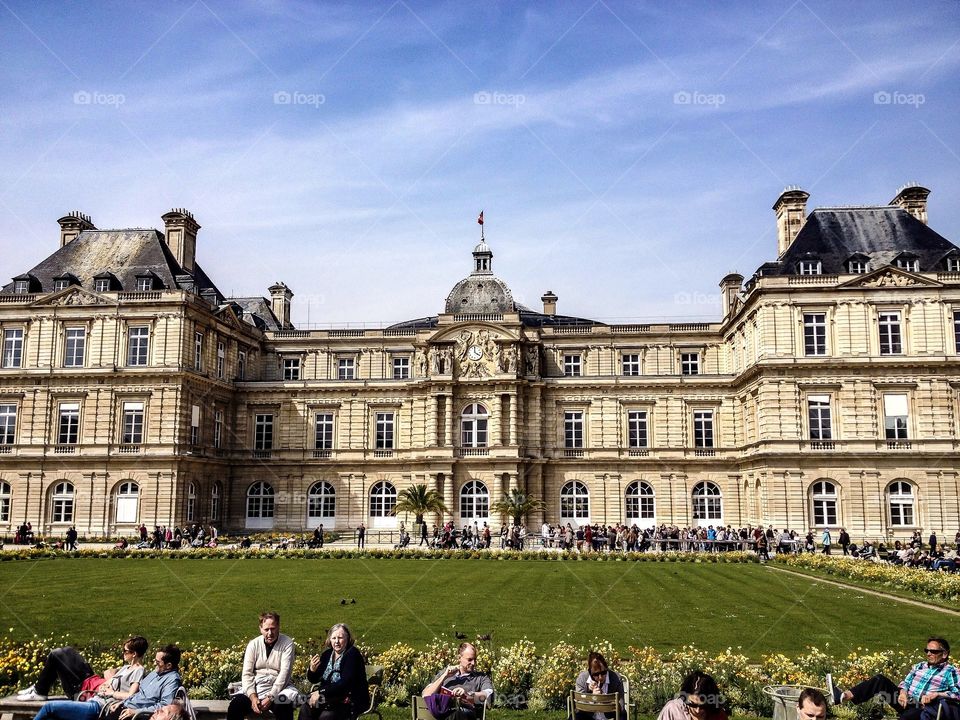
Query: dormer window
column 60, row 284
column 21, row 287
column 856, row 266
column 144, row 283
column 809, row 267
column 101, row 285
column 908, row 263
column 953, row 263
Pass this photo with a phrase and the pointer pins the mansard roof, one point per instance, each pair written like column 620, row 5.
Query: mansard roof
column 833, row 235
column 125, row 253
column 528, row 317
column 257, row 312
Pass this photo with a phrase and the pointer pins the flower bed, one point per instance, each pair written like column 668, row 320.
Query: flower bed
column 919, row 582
column 524, row 676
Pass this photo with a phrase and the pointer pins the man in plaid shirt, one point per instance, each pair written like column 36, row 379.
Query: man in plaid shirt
column 926, row 686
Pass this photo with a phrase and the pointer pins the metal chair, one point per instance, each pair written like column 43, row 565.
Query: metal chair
column 592, row 703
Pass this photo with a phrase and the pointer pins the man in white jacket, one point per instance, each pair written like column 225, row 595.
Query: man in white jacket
column 267, row 665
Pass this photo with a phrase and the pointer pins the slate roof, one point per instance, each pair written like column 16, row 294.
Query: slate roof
column 834, row 235
column 530, row 318
column 257, row 312
column 125, row 253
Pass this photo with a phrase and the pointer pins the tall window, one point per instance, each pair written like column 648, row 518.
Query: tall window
column 291, row 368
column 890, row 337
column 823, row 495
column 74, row 347
column 384, row 427
column 8, row 424
column 574, row 501
column 383, row 498
column 138, row 345
column 573, row 429
column 241, row 365
column 260, row 505
column 195, row 425
column 956, row 332
column 263, row 431
column 221, row 359
column 321, row 503
column 215, row 501
column 191, row 502
column 68, row 431
column 62, row 503
column 573, row 365
column 474, row 501
column 818, row 413
column 707, row 502
column 639, row 501
column 132, row 423
column 637, row 429
column 703, row 428
column 814, row 334
column 13, row 348
column 218, row 428
column 895, row 416
column 345, row 369
column 401, row 368
column 689, row 363
column 4, row 502
column 630, row 364
column 323, row 431
column 198, row 351
column 900, row 496
column 473, row 426
column 128, row 497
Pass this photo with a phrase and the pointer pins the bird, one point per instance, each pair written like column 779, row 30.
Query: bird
column 485, row 636
column 343, row 602
column 353, row 601
column 459, row 635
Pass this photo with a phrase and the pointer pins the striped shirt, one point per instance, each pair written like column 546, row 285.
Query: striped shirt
column 924, row 678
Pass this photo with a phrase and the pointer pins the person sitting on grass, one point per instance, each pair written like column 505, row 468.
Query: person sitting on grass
column 598, row 679
column 928, row 683
column 811, row 705
column 156, row 690
column 699, row 699
column 463, row 683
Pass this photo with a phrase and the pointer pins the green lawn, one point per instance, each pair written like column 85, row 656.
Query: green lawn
column 665, row 605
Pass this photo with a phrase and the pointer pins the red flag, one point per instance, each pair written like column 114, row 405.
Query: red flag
column 480, row 219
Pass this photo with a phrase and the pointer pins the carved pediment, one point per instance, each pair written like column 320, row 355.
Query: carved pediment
column 890, row 277
column 73, row 296
column 227, row 315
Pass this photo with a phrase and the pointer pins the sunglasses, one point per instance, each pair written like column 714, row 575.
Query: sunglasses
column 695, row 705
column 933, row 651
column 598, row 675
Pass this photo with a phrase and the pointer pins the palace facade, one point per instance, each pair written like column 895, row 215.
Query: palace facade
column 827, row 394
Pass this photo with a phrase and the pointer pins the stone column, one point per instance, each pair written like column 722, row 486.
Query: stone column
column 513, row 418
column 448, row 496
column 450, row 420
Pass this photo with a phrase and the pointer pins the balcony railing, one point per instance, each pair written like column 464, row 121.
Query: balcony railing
column 322, row 454
column 262, row 454
column 382, row 453
column 638, row 452
column 129, row 449
column 822, row 445
column 572, row 452
column 899, row 445
column 473, row 452
column 64, row 449
column 6, row 449
column 704, row 452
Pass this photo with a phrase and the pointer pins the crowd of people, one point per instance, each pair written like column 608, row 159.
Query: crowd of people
column 340, row 691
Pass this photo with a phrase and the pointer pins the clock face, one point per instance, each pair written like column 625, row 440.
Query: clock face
column 475, row 352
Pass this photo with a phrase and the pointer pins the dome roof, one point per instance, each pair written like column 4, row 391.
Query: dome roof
column 480, row 293
column 482, row 247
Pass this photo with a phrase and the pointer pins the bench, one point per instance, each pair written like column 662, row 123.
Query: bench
column 13, row 709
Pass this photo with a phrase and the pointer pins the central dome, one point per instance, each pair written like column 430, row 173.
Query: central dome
column 481, row 291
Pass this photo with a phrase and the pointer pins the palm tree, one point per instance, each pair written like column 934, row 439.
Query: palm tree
column 418, row 500
column 517, row 504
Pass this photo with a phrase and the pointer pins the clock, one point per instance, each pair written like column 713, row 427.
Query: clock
column 475, row 352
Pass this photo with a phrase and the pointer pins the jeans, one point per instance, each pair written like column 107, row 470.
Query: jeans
column 69, row 710
column 66, row 664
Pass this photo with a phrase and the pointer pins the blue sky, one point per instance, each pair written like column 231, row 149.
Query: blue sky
column 626, row 155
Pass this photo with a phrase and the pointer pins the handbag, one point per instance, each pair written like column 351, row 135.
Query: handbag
column 88, row 688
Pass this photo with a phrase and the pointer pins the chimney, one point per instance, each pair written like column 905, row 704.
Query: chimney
column 912, row 197
column 729, row 288
column 180, row 231
column 72, row 224
column 549, row 303
column 280, row 297
column 791, row 210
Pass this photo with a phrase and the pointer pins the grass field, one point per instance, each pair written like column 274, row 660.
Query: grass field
column 665, row 605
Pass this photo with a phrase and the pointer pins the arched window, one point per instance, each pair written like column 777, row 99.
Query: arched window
column 128, row 501
column 4, row 502
column 707, row 503
column 383, row 498
column 473, row 426
column 215, row 501
column 321, row 504
column 191, row 502
column 639, row 501
column 62, row 505
column 823, row 498
column 474, row 501
column 574, row 501
column 900, row 494
column 260, row 503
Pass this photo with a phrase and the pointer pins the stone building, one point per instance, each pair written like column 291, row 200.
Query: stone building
column 132, row 390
